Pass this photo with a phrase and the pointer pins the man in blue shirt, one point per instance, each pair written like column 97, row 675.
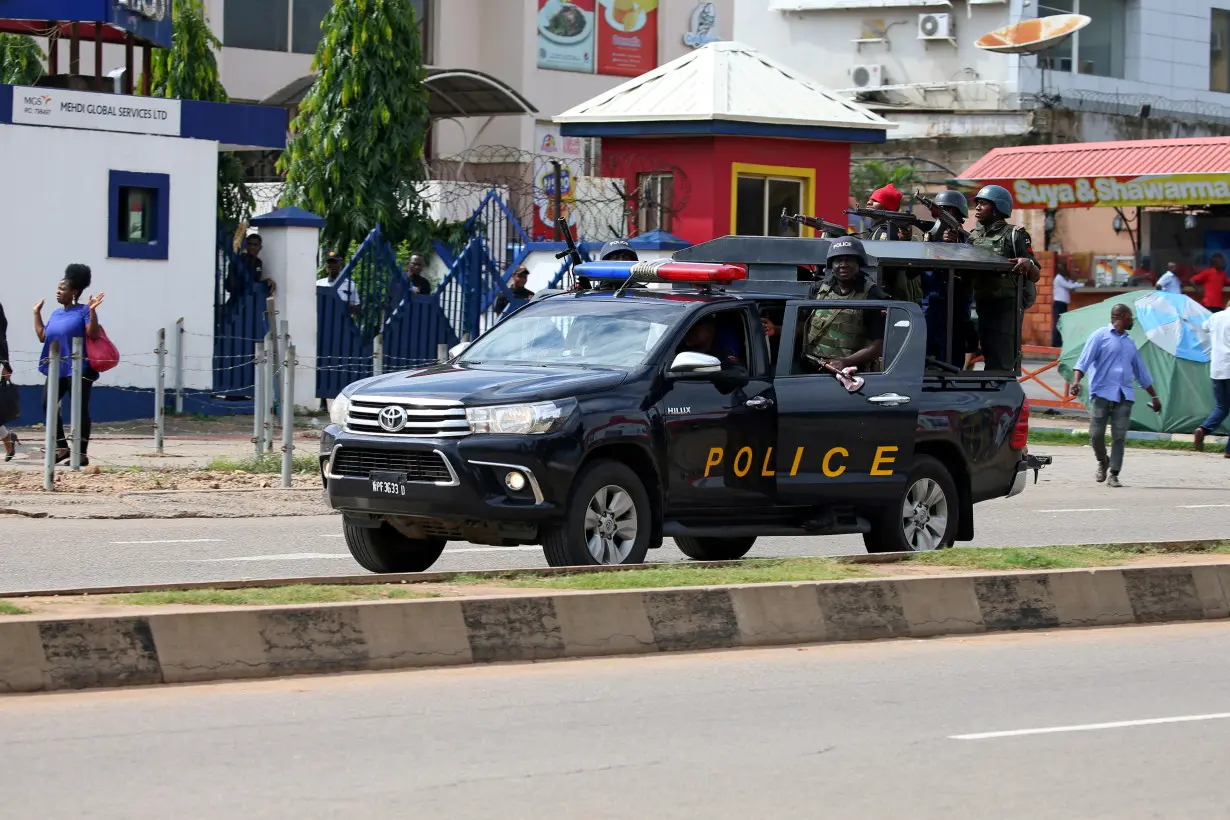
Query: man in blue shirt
column 1113, row 361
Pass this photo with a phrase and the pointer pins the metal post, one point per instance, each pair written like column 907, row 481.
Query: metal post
column 288, row 416
column 378, row 355
column 557, row 196
column 74, row 413
column 53, row 413
column 271, row 393
column 258, row 396
column 179, row 366
column 465, row 337
column 442, row 352
column 160, row 390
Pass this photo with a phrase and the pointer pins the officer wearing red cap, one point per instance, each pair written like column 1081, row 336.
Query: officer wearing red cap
column 887, row 198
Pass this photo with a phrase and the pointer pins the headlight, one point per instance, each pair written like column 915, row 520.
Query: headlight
column 519, row 419
column 339, row 408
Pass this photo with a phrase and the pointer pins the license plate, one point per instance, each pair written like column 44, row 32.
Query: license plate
column 390, row 484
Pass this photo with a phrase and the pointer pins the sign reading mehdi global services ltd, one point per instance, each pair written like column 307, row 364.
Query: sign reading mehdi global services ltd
column 1092, row 192
column 96, row 112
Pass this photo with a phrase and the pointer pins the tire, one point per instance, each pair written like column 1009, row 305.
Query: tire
column 930, row 493
column 384, row 549
column 621, row 510
column 715, row 549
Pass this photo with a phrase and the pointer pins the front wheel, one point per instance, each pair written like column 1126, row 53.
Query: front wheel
column 925, row 517
column 715, row 549
column 384, row 549
column 609, row 520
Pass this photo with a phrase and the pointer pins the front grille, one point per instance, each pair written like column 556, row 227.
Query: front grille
column 356, row 462
column 422, row 420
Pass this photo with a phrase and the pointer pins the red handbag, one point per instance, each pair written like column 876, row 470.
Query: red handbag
column 101, row 353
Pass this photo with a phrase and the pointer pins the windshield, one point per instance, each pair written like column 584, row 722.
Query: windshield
column 577, row 332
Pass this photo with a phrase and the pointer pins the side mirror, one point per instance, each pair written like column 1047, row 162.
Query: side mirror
column 457, row 350
column 695, row 364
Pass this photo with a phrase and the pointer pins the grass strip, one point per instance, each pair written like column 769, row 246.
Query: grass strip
column 271, row 596
column 1082, row 439
column 264, row 465
column 12, row 609
column 752, row 571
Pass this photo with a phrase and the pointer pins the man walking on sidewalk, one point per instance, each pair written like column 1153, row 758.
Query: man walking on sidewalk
column 1113, row 361
column 1219, row 372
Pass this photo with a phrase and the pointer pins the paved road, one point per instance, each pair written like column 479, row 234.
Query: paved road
column 921, row 729
column 1169, row 496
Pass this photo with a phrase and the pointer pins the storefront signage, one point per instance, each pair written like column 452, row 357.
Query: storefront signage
column 149, row 9
column 570, row 153
column 1122, row 192
column 616, row 37
column 704, row 22
column 96, row 112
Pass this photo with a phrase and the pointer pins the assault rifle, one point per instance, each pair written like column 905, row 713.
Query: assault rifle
column 846, row 376
column 897, row 219
column 828, row 229
column 571, row 252
column 946, row 219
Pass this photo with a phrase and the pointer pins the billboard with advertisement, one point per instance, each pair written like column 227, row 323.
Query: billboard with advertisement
column 627, row 37
column 1158, row 190
column 566, row 35
column 570, row 153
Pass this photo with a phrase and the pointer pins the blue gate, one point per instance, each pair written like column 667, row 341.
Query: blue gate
column 239, row 320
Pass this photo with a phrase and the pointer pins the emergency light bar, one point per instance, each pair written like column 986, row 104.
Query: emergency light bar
column 663, row 270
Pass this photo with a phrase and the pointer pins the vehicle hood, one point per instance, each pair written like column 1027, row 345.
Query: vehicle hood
column 474, row 385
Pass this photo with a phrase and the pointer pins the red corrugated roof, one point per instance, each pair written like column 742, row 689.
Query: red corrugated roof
column 1204, row 155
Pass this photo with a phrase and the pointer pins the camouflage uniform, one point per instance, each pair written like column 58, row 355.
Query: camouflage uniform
column 999, row 317
column 836, row 333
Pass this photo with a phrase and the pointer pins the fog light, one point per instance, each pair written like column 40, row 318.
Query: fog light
column 515, row 481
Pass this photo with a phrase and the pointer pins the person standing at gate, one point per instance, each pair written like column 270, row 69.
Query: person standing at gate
column 516, row 287
column 1214, row 280
column 249, row 270
column 6, row 372
column 995, row 295
column 72, row 320
column 1062, row 297
column 347, row 292
column 1113, row 362
column 1219, row 371
column 419, row 284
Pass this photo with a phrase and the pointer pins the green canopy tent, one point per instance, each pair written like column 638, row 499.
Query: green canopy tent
column 1171, row 337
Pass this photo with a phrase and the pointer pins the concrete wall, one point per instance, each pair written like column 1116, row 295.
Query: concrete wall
column 55, row 212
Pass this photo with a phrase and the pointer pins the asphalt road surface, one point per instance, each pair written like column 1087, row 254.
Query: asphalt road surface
column 1118, row 723
column 1167, row 496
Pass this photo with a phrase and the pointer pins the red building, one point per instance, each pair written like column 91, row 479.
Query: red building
column 722, row 140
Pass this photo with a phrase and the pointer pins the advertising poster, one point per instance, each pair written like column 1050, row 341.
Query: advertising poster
column 570, row 153
column 566, row 33
column 627, row 37
column 1127, row 191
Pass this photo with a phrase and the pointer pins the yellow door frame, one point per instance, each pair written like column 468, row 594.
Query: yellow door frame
column 806, row 175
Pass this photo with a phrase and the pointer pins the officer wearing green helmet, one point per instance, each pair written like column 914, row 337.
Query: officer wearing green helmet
column 995, row 295
column 846, row 337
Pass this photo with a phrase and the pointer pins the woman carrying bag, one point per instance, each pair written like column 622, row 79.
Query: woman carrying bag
column 72, row 320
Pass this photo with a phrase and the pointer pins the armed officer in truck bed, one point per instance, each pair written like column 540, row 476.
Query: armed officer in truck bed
column 846, row 337
column 995, row 295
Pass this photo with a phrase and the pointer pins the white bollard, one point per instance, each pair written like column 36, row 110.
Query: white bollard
column 378, row 355
column 53, row 413
column 74, row 413
column 288, row 416
column 442, row 352
column 271, row 393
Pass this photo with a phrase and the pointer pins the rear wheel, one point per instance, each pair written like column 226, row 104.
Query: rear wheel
column 925, row 517
column 609, row 520
column 384, row 549
column 715, row 549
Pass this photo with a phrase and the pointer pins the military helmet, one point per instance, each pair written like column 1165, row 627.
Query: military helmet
column 953, row 199
column 845, row 246
column 998, row 196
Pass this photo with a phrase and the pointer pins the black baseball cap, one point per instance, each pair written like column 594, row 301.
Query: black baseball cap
column 333, row 256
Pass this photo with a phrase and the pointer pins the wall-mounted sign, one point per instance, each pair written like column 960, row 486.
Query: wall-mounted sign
column 1091, row 192
column 703, row 26
column 156, row 10
column 566, row 35
column 96, row 112
column 627, row 37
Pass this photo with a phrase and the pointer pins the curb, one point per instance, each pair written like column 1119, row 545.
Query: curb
column 1138, row 435
column 234, row 644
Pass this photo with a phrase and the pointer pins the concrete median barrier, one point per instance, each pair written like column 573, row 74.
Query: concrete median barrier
column 258, row 642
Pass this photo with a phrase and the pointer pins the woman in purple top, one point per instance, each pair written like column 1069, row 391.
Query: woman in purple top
column 71, row 321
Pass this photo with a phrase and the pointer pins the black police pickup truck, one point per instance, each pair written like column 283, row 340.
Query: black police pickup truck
column 591, row 423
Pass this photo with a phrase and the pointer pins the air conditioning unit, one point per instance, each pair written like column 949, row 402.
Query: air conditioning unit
column 867, row 76
column 935, row 27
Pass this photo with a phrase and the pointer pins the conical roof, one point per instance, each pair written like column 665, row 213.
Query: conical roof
column 725, row 81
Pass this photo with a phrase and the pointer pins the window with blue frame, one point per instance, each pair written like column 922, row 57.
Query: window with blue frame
column 139, row 208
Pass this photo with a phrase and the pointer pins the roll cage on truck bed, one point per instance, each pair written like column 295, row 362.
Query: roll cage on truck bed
column 578, row 423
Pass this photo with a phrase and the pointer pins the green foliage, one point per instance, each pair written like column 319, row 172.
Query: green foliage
column 21, row 60
column 356, row 148
column 873, row 175
column 188, row 70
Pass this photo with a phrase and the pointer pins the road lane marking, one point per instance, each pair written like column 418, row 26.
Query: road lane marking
column 493, row 549
column 1092, row 727
column 1081, row 509
column 1201, row 506
column 290, row 556
column 176, row 541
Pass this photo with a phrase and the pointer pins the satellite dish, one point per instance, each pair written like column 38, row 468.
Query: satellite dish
column 1033, row 35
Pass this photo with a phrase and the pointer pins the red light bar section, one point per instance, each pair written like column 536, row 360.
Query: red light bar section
column 664, row 270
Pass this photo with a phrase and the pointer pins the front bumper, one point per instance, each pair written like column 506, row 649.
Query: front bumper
column 473, row 497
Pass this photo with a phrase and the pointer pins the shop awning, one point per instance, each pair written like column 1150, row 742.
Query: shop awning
column 453, row 92
column 1131, row 173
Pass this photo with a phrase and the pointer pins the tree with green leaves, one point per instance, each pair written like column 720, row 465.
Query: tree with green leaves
column 188, row 70
column 873, row 174
column 21, row 60
column 355, row 155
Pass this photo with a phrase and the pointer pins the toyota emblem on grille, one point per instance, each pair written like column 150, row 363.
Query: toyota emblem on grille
column 392, row 419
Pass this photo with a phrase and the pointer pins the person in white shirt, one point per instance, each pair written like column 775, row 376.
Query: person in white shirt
column 1219, row 372
column 1169, row 280
column 1062, row 297
column 347, row 292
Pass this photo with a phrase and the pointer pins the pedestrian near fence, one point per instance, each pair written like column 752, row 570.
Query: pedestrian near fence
column 1112, row 361
column 6, row 373
column 72, row 320
column 1219, row 372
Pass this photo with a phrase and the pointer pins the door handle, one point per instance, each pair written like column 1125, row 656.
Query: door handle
column 889, row 399
column 759, row 403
